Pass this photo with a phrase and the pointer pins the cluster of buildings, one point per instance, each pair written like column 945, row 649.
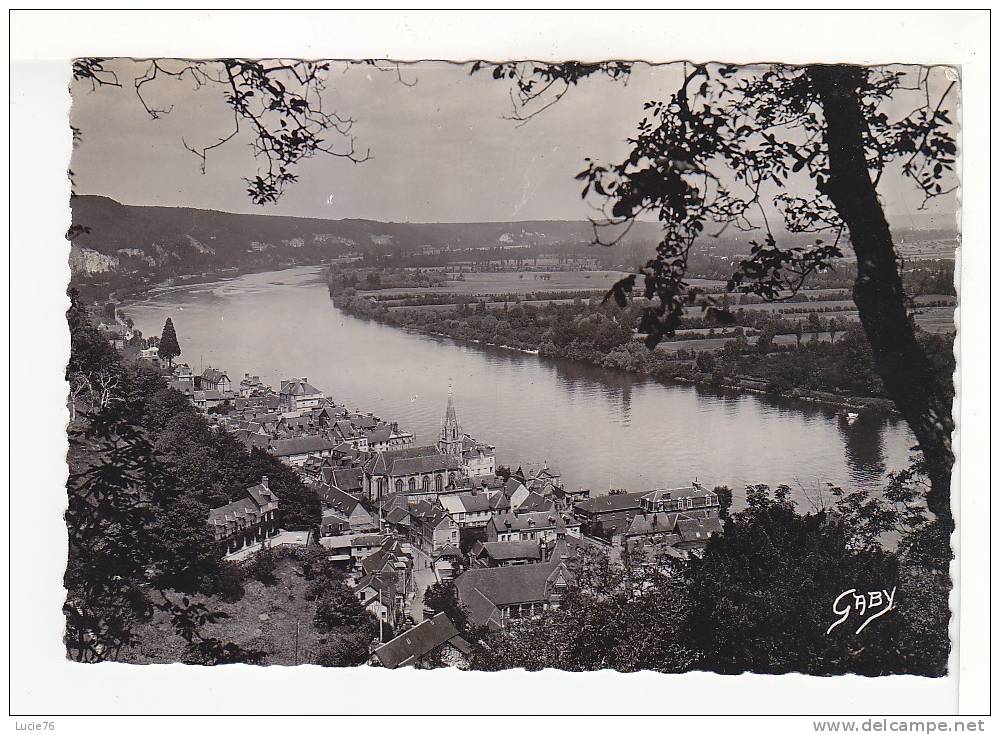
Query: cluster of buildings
column 399, row 517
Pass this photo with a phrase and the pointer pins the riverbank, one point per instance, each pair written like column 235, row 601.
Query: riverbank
column 624, row 354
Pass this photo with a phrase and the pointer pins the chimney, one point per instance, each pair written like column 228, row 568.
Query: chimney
column 263, row 482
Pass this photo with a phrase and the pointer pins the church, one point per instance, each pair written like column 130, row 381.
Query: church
column 478, row 458
column 429, row 470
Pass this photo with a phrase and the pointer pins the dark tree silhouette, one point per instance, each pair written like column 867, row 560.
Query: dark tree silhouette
column 705, row 158
column 169, row 349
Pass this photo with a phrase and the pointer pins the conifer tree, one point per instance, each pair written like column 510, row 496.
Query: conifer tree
column 169, row 349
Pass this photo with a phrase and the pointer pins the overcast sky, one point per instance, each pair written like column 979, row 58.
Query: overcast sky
column 442, row 150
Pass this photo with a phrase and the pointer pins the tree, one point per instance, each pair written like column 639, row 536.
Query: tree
column 277, row 107
column 337, row 608
column 760, row 599
column 126, row 517
column 710, row 154
column 169, row 349
column 443, row 597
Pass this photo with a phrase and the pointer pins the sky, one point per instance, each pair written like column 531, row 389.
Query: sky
column 443, row 149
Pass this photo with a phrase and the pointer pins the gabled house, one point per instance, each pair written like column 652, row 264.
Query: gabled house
column 431, row 528
column 612, row 512
column 495, row 596
column 468, row 510
column 650, row 534
column 535, row 503
column 216, row 380
column 251, row 519
column 504, row 553
column 694, row 500
column 297, row 394
column 544, row 527
column 294, row 451
column 434, row 642
column 348, row 507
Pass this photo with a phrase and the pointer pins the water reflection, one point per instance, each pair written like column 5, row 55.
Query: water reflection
column 864, row 448
column 600, row 428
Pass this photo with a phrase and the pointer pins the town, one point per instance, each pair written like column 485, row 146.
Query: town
column 399, row 518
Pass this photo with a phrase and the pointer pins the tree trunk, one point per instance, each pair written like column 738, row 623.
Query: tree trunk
column 909, row 379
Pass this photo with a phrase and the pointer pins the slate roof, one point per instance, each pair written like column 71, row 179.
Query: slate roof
column 337, row 499
column 412, row 461
column 398, row 516
column 465, row 503
column 499, row 501
column 508, row 550
column 298, row 387
column 482, row 590
column 409, row 647
column 535, row 503
column 300, row 445
column 350, row 479
column 611, row 503
column 381, row 434
column 213, row 376
column 533, row 521
column 243, row 511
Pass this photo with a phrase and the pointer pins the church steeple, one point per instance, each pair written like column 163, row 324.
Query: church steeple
column 451, row 432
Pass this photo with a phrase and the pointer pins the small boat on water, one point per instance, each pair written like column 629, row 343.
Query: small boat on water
column 850, row 417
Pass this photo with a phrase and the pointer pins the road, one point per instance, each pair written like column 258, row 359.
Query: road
column 423, row 577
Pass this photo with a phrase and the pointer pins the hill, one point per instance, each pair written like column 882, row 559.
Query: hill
column 175, row 240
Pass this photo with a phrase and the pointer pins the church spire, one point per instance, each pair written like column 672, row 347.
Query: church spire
column 451, row 432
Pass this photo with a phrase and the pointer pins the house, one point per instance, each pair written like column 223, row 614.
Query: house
column 297, row 393
column 387, row 437
column 381, row 596
column 431, row 528
column 347, row 506
column 294, row 451
column 365, row 545
column 344, row 432
column 216, row 380
column 434, row 642
column 495, row 596
column 612, row 512
column 448, row 561
column 249, row 520
column 205, row 400
column 540, row 477
column 535, row 503
column 251, row 386
column 469, row 510
column 566, row 498
column 515, row 491
column 694, row 500
column 333, row 523
column 504, row 553
column 150, row 355
column 542, row 527
column 182, row 373
column 478, row 458
column 650, row 533
column 348, row 479
column 390, row 558
column 421, row 471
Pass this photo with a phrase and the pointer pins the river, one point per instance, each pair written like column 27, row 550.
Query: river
column 600, row 428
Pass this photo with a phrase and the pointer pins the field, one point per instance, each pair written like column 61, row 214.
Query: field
column 521, row 282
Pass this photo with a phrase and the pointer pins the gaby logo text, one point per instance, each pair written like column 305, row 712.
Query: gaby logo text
column 868, row 605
